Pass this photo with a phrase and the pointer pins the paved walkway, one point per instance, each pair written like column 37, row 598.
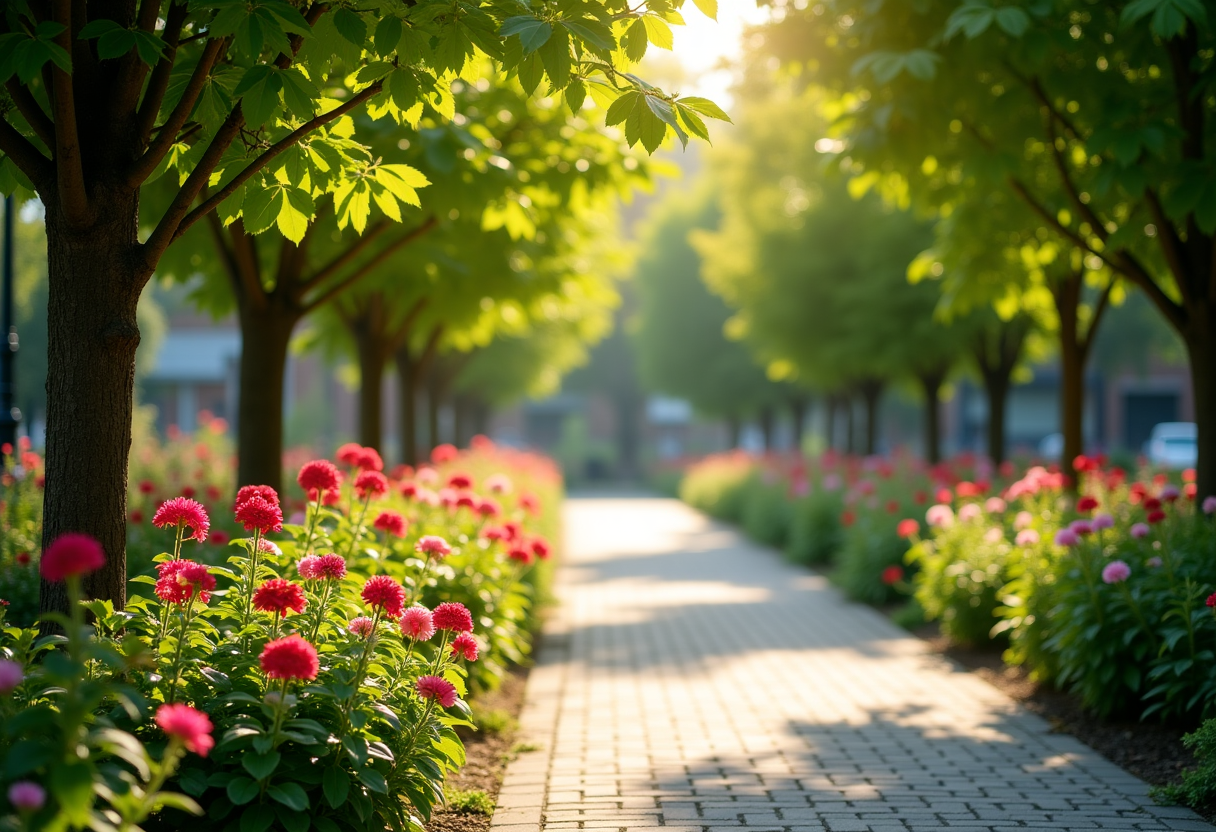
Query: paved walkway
column 694, row 681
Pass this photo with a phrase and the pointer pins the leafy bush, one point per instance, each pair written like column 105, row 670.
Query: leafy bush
column 718, row 485
column 815, row 531
column 1198, row 787
column 473, row 802
column 766, row 511
column 869, row 567
column 321, row 709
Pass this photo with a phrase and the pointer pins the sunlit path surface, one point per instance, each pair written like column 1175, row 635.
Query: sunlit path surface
column 692, row 680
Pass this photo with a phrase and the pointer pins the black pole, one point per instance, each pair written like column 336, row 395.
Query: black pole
column 10, row 416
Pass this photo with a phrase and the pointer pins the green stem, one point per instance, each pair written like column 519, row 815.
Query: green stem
column 312, row 524
column 320, row 616
column 253, row 579
column 358, row 528
column 1131, row 602
column 279, row 713
column 177, row 653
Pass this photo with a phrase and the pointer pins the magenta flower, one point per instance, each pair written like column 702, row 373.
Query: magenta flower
column 1067, row 538
column 416, row 623
column 1116, row 572
column 435, row 687
column 26, row 796
column 1139, row 530
column 1102, row 521
column 361, row 626
column 1209, row 504
column 11, row 675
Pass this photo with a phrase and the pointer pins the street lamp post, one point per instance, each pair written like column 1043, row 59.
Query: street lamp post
column 10, row 416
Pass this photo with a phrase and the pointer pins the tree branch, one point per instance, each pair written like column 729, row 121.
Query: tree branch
column 25, row 156
column 31, row 111
column 1171, row 243
column 69, row 166
column 1091, row 331
column 142, row 167
column 372, row 263
column 274, row 150
column 353, row 251
column 1074, row 196
column 159, row 83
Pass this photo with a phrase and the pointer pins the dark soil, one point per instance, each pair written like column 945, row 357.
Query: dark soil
column 1151, row 751
column 487, row 756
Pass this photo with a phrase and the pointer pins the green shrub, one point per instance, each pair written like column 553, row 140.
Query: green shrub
column 1198, row 787
column 495, row 721
column 472, row 802
column 815, row 531
column 718, row 485
column 766, row 512
column 871, row 553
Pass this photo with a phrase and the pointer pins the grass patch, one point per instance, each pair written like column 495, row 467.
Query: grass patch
column 472, row 802
column 496, row 721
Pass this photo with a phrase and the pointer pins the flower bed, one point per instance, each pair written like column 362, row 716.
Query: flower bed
column 314, row 679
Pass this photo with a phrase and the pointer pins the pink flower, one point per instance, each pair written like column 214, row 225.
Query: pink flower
column 460, row 481
column 1170, row 493
column 350, row 454
column 434, row 687
column 369, row 460
column 371, row 484
column 1023, row 520
column 1027, row 537
column 940, row 516
column 391, row 522
column 178, row 581
column 71, row 555
column 444, row 453
column 322, row 567
column 1116, row 572
column 264, row 491
column 279, row 597
column 520, row 555
column 320, row 475
column 183, row 512
column 529, row 503
column 361, row 626
column 540, row 548
column 382, row 591
column 257, row 513
column 1066, row 537
column 416, row 623
column 1209, row 504
column 498, row 484
column 269, row 547
column 1101, row 521
column 994, row 505
column 907, row 527
column 26, row 796
column 487, row 507
column 433, row 546
column 970, row 512
column 11, row 675
column 452, row 616
column 1081, row 527
column 465, row 645
column 290, row 658
column 1139, row 530
column 192, row 727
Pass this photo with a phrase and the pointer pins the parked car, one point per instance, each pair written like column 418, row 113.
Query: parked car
column 1173, row 445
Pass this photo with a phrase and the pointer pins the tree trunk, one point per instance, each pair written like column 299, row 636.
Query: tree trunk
column 460, row 420
column 829, row 423
column 265, row 335
column 734, row 430
column 931, row 382
column 1072, row 403
column 372, row 359
column 998, row 348
column 996, row 387
column 850, row 432
column 798, row 409
column 481, row 417
column 433, row 403
column 768, row 421
column 871, row 393
column 1200, row 340
column 407, row 394
column 92, row 335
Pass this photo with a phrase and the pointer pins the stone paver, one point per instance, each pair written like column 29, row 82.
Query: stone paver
column 693, row 681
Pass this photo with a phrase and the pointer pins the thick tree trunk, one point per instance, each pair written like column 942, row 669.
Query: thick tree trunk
column 734, row 430
column 1072, row 403
column 372, row 359
column 931, row 384
column 92, row 335
column 996, row 388
column 850, row 426
column 871, row 393
column 798, row 409
column 407, row 393
column 829, row 423
column 265, row 335
column 1200, row 341
column 768, row 419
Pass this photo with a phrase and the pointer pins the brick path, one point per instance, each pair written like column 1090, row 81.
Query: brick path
column 694, row 681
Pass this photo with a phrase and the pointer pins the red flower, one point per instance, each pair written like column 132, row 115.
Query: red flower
column 1155, row 516
column 434, row 687
column 182, row 512
column 70, row 555
column 290, row 658
column 444, row 453
column 247, row 491
column 540, row 548
column 409, row 490
column 391, row 522
column 487, row 508
column 178, row 581
column 219, row 537
column 278, row 596
column 908, row 527
column 460, row 481
column 192, row 727
column 257, row 513
column 433, row 545
column 520, row 555
column 188, row 491
column 529, row 503
column 892, row 575
column 466, row 501
column 944, row 495
column 416, row 623
column 920, row 498
column 1087, row 504
column 452, row 616
column 214, row 492
column 137, row 516
column 892, row 506
column 1190, row 490
column 23, row 558
column 848, row 518
column 1151, row 504
column 1211, row 602
column 322, row 567
column 350, row 454
column 492, row 533
column 146, row 487
column 369, row 460
column 382, row 591
column 465, row 645
column 319, row 475
column 371, row 484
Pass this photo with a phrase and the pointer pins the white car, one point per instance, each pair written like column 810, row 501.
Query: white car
column 1173, row 445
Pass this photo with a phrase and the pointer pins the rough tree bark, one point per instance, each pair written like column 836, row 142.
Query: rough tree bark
column 265, row 336
column 1076, row 341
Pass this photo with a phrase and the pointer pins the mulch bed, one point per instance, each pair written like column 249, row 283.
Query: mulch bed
column 487, row 756
column 1151, row 751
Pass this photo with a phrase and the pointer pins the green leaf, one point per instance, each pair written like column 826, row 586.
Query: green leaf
column 555, row 55
column 257, row 818
column 1012, row 20
column 261, row 766
column 704, row 106
column 658, row 32
column 299, row 94
column 374, row 780
column 972, row 18
column 662, row 110
column 635, row 41
column 72, row 785
column 709, row 8
column 351, row 26
column 291, row 795
column 388, row 35
column 261, row 208
column 336, row 785
column 593, row 33
column 292, row 820
column 241, row 790
column 576, row 93
column 532, row 33
column 530, row 73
